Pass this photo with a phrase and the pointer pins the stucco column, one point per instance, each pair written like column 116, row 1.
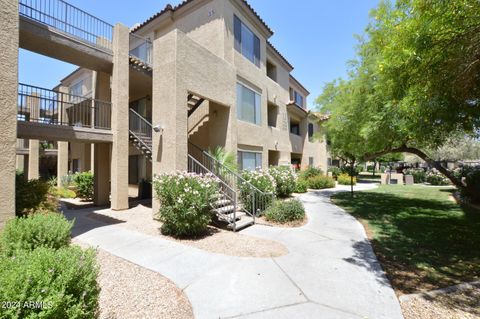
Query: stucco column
column 62, row 161
column 101, row 189
column 62, row 147
column 87, row 157
column 120, row 96
column 169, row 110
column 8, row 107
column 33, row 159
column 33, row 105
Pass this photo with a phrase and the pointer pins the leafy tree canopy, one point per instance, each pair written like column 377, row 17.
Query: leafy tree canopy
column 415, row 81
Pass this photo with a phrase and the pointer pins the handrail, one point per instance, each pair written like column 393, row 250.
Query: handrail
column 141, row 117
column 219, row 169
column 142, row 48
column 140, row 128
column 69, row 19
column 195, row 166
column 41, row 105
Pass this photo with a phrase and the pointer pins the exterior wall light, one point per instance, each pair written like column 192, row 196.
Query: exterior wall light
column 158, row 128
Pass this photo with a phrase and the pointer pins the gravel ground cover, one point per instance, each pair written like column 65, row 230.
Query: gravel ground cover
column 139, row 218
column 131, row 291
column 461, row 303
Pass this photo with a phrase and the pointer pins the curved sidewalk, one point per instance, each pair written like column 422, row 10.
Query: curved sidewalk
column 330, row 271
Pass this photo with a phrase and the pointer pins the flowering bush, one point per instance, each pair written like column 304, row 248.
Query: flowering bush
column 435, row 178
column 285, row 178
column 345, row 179
column 264, row 182
column 185, row 202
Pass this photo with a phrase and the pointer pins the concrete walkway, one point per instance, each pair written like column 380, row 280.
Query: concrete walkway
column 330, row 272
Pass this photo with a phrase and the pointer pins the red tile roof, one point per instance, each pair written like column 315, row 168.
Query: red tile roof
column 170, row 8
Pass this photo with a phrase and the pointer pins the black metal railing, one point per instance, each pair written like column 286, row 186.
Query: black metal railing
column 141, row 128
column 253, row 200
column 141, row 48
column 194, row 166
column 40, row 105
column 64, row 17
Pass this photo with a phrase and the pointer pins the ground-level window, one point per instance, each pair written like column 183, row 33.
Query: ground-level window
column 248, row 105
column 310, row 161
column 249, row 160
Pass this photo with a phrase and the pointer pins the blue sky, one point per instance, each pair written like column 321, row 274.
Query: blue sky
column 316, row 36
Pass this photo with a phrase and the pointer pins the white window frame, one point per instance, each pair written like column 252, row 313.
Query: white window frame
column 258, row 104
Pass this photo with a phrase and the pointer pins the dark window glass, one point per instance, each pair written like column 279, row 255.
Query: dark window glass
column 246, row 42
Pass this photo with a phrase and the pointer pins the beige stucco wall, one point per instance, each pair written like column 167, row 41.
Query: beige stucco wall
column 8, row 107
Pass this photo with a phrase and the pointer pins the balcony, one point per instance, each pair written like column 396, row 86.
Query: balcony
column 40, row 111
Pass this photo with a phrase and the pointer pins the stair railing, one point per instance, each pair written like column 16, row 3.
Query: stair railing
column 254, row 201
column 194, row 166
column 140, row 128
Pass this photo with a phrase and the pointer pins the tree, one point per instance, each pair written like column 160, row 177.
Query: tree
column 414, row 83
column 457, row 148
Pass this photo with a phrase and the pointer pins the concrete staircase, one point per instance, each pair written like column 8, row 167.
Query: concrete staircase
column 143, row 143
column 140, row 134
column 229, row 213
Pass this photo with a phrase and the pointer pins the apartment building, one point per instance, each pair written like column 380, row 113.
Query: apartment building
column 153, row 98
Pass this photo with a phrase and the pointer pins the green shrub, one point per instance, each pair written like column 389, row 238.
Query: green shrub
column 419, row 175
column 62, row 192
column 285, row 179
column 437, row 179
column 310, row 172
column 30, row 195
column 345, row 179
column 285, row 211
column 265, row 183
column 50, row 230
column 84, row 184
column 320, row 182
column 61, row 282
column 301, row 186
column 185, row 202
column 473, row 183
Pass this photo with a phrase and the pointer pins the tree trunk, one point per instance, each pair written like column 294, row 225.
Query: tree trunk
column 374, row 166
column 455, row 181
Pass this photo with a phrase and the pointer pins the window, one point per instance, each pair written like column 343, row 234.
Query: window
column 246, row 42
column 310, row 130
column 76, row 89
column 249, row 160
column 295, row 128
column 298, row 99
column 310, row 161
column 248, row 105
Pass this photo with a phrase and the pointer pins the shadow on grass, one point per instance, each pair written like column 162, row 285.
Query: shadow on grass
column 423, row 241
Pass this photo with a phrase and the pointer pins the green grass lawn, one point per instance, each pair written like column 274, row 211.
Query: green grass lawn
column 423, row 239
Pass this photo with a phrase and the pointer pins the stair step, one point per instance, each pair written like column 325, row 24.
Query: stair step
column 242, row 223
column 224, row 210
column 222, row 202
